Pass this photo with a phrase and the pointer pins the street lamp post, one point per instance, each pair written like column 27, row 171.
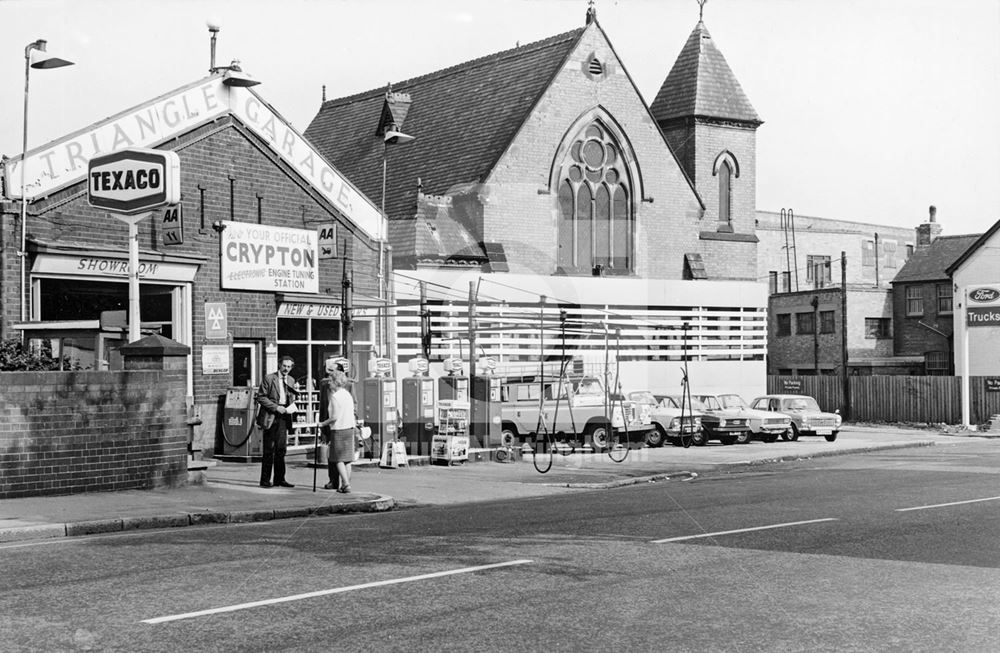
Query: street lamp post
column 391, row 137
column 35, row 56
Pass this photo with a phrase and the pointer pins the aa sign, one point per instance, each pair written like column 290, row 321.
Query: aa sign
column 173, row 225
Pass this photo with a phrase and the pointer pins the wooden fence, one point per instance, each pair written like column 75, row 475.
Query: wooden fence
column 923, row 399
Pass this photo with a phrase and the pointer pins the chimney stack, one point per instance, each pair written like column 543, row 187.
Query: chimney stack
column 928, row 231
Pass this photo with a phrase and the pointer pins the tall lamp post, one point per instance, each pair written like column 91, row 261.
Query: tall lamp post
column 392, row 136
column 35, row 56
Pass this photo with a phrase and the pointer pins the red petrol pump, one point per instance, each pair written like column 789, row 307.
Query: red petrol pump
column 418, row 408
column 240, row 436
column 454, row 385
column 485, row 405
column 380, row 413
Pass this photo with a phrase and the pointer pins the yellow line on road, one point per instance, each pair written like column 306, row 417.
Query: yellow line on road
column 337, row 590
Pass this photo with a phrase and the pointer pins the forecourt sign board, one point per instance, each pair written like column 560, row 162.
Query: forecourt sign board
column 983, row 308
column 134, row 180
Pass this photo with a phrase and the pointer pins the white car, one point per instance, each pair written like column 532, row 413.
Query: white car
column 764, row 425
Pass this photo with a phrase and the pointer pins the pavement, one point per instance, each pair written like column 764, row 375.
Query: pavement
column 229, row 492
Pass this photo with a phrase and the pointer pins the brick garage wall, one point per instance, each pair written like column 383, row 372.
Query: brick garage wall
column 72, row 432
column 911, row 338
column 215, row 158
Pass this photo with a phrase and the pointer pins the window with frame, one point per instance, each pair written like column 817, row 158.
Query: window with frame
column 805, row 323
column 877, row 327
column 818, row 270
column 772, row 282
column 868, row 253
column 889, row 247
column 786, row 282
column 725, row 194
column 937, row 362
column 944, row 298
column 784, row 324
column 914, row 300
column 596, row 225
column 827, row 323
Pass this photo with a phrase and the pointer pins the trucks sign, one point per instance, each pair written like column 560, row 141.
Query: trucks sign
column 134, row 180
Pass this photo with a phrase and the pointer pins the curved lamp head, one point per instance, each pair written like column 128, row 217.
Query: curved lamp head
column 392, row 137
column 38, row 57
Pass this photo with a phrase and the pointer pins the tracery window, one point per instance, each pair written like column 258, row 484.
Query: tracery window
column 596, row 222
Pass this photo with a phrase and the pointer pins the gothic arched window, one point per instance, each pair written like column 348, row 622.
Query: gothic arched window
column 596, row 225
column 725, row 202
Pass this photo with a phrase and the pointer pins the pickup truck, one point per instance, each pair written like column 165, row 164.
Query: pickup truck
column 572, row 409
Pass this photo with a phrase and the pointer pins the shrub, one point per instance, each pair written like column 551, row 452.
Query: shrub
column 15, row 357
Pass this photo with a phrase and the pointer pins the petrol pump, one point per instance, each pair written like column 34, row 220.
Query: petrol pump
column 418, row 408
column 240, row 436
column 485, row 400
column 380, row 406
column 454, row 385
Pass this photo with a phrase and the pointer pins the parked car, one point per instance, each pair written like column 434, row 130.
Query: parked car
column 572, row 408
column 712, row 424
column 805, row 413
column 764, row 425
column 666, row 419
column 727, row 423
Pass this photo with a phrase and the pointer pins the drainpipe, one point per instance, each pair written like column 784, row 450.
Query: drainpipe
column 815, row 305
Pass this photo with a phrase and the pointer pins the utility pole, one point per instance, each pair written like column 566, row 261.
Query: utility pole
column 844, row 378
column 425, row 323
column 346, row 306
column 472, row 329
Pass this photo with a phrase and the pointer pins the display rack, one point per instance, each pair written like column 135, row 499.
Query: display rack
column 451, row 443
column 305, row 421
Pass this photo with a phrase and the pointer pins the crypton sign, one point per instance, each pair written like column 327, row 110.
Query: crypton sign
column 134, row 180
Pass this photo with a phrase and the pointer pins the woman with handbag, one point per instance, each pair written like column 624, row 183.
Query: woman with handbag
column 342, row 439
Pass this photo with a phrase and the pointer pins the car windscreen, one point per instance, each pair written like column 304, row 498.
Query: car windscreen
column 732, row 401
column 800, row 403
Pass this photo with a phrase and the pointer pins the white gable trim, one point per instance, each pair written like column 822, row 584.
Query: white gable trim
column 63, row 162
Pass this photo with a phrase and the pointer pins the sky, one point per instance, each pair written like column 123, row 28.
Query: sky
column 873, row 109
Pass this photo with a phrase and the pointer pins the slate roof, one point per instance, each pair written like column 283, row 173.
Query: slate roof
column 463, row 118
column 932, row 263
column 702, row 84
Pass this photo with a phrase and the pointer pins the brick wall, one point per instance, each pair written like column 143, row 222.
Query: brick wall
column 211, row 156
column 911, row 338
column 71, row 432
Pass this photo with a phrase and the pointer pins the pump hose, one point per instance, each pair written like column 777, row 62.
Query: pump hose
column 253, row 425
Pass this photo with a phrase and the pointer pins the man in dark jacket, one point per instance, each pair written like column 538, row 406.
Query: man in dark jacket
column 277, row 393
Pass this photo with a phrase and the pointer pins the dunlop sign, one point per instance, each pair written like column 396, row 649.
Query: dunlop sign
column 134, row 180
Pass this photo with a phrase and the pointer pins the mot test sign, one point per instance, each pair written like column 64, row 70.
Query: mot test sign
column 270, row 259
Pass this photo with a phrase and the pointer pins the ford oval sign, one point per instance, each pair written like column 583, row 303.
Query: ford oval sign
column 134, row 180
column 984, row 295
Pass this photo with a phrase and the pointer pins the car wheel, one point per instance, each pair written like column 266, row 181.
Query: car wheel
column 599, row 437
column 699, row 439
column 655, row 436
column 792, row 434
column 832, row 437
column 743, row 437
column 508, row 436
column 728, row 439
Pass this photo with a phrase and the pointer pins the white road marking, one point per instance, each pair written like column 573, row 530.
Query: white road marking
column 742, row 530
column 942, row 505
column 337, row 590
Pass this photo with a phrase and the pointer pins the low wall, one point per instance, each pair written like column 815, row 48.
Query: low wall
column 71, row 432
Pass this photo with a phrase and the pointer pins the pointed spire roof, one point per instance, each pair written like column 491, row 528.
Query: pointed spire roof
column 702, row 84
